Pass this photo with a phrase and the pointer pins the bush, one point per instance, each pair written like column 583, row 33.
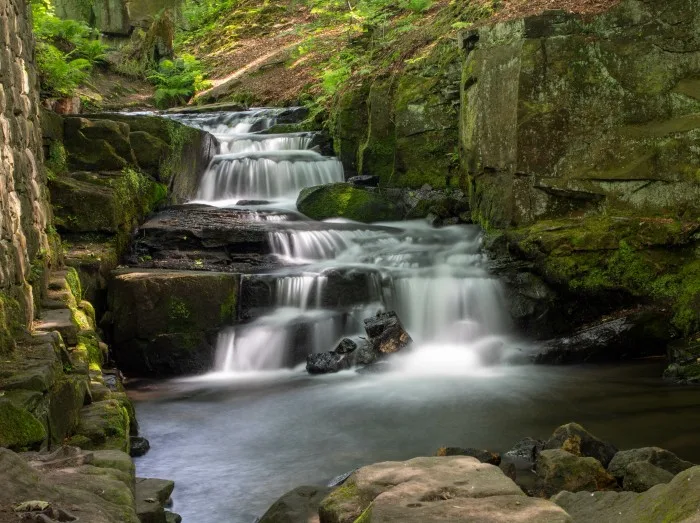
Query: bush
column 177, row 80
column 66, row 50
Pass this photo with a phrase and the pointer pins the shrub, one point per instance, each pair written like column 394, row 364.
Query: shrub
column 177, row 80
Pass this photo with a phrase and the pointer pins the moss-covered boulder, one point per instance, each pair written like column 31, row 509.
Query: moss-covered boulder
column 165, row 322
column 343, row 200
column 104, row 425
column 18, row 428
column 559, row 470
column 97, row 144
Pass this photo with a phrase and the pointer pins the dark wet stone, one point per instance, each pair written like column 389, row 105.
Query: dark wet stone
column 139, row 446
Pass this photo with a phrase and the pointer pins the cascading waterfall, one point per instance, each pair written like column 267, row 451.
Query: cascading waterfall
column 339, row 273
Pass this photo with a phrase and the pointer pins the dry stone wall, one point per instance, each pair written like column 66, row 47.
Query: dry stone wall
column 24, row 209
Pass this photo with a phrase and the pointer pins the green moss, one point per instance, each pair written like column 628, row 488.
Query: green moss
column 366, row 516
column 11, row 322
column 179, row 316
column 19, row 430
column 89, row 344
column 229, row 309
column 346, row 201
column 74, row 283
column 56, row 162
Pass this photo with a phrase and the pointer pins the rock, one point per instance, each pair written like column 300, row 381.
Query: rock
column 151, row 488
column 60, row 320
column 327, row 362
column 103, row 425
column 386, row 335
column 172, row 517
column 139, row 446
column 150, row 151
column 97, row 145
column 656, row 456
column 346, row 346
column 364, row 181
column 640, row 476
column 524, row 453
column 300, row 504
column 112, row 17
column 675, row 501
column 485, row 456
column 343, row 200
column 573, row 438
column 559, row 470
column 456, row 489
column 172, row 330
column 635, row 334
column 18, row 428
column 684, row 361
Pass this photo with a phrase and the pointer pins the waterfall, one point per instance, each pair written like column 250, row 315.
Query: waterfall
column 266, row 175
column 339, row 273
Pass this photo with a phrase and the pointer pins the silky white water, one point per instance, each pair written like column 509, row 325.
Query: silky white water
column 255, row 166
column 338, row 273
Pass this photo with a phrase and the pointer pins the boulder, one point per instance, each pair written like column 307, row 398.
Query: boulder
column 366, row 180
column 327, row 362
column 525, row 452
column 344, row 200
column 573, row 438
column 300, row 504
column 684, row 361
column 150, row 151
column 674, row 501
column 346, row 346
column 97, row 145
column 138, row 446
column 634, row 334
column 164, row 323
column 104, row 425
column 456, row 489
column 19, row 429
column 661, row 458
column 559, row 470
column 640, row 476
column 386, row 336
column 484, row 456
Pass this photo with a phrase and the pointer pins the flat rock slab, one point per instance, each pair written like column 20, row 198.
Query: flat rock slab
column 59, row 320
column 454, row 488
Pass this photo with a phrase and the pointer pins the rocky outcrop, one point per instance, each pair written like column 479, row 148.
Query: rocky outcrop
column 576, row 137
column 403, row 127
column 164, row 323
column 457, row 489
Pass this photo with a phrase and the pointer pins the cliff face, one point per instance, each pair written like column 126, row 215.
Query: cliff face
column 563, row 115
column 25, row 214
column 579, row 141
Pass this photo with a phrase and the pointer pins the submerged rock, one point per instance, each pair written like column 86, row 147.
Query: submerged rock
column 343, row 200
column 573, row 438
column 559, row 470
column 455, row 488
column 327, row 362
column 300, row 504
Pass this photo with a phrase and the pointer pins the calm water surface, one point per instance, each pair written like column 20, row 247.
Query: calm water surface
column 233, row 446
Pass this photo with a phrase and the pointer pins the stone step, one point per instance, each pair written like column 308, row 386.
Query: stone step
column 60, row 320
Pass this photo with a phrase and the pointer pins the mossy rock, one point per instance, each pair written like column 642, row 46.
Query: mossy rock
column 104, row 425
column 11, row 322
column 343, row 200
column 149, row 150
column 19, row 430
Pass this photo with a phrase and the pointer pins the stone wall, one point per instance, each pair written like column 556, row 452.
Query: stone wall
column 25, row 215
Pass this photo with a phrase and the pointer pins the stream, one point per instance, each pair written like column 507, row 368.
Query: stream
column 257, row 425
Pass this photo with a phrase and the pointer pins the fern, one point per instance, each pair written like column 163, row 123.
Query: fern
column 177, row 81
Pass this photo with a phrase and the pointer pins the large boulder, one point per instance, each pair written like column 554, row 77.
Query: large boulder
column 457, row 489
column 675, row 501
column 640, row 476
column 19, row 429
column 165, row 322
column 573, row 438
column 344, row 200
column 484, row 456
column 662, row 458
column 559, row 470
column 300, row 504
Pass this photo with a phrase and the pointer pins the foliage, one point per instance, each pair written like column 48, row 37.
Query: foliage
column 177, row 80
column 67, row 50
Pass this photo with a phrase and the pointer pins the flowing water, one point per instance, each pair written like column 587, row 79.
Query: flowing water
column 237, row 438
